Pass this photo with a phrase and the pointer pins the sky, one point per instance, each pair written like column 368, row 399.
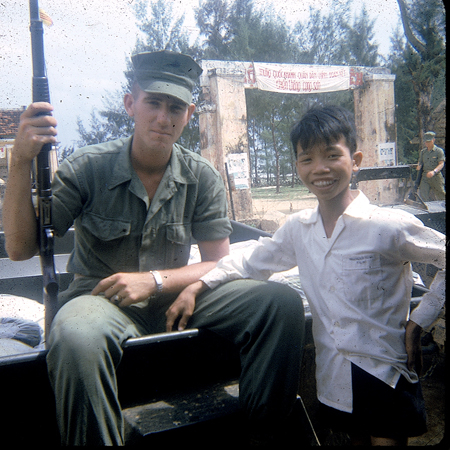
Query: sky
column 87, row 46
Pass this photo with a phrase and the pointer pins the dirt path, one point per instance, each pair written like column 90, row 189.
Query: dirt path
column 262, row 206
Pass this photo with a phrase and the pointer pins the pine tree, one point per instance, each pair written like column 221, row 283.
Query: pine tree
column 363, row 51
column 159, row 30
column 424, row 26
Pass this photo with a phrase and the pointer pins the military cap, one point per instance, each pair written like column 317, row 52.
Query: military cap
column 429, row 136
column 166, row 72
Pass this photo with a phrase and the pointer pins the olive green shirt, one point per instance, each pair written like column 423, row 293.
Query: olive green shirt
column 117, row 228
column 430, row 159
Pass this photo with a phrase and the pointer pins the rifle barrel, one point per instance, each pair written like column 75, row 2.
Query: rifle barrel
column 41, row 93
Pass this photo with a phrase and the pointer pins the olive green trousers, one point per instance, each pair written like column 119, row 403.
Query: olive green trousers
column 432, row 188
column 265, row 320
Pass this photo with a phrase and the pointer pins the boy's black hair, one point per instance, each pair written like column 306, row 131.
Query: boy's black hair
column 324, row 124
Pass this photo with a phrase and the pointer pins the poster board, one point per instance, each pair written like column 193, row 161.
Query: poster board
column 387, row 155
column 237, row 165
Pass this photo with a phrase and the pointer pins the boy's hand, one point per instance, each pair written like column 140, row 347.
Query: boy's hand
column 184, row 306
column 413, row 347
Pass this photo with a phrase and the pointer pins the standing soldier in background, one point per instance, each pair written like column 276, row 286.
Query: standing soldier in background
column 432, row 159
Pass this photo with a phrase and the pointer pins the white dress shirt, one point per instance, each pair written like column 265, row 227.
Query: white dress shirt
column 358, row 284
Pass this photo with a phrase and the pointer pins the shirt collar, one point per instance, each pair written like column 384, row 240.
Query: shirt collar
column 181, row 172
column 357, row 208
column 123, row 170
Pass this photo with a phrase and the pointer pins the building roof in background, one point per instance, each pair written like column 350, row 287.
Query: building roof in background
column 9, row 122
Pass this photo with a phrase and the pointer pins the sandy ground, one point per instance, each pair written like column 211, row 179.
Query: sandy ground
column 262, row 206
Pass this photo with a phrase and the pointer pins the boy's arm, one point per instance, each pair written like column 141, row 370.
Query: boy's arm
column 413, row 347
column 421, row 244
column 267, row 256
column 259, row 261
column 432, row 302
column 227, row 269
column 424, row 245
column 184, row 306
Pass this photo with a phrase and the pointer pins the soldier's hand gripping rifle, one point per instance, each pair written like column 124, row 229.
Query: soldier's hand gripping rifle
column 43, row 172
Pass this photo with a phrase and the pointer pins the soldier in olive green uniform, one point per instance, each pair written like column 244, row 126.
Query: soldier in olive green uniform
column 432, row 159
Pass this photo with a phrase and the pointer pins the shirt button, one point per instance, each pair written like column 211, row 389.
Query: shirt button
column 332, row 289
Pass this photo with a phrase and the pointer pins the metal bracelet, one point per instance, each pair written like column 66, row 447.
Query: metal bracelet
column 158, row 280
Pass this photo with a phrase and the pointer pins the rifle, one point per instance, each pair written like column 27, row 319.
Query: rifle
column 418, row 179
column 413, row 198
column 43, row 175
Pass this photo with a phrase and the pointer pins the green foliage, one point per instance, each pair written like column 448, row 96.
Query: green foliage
column 108, row 124
column 213, row 23
column 235, row 30
column 419, row 65
column 324, row 39
column 64, row 152
column 406, row 110
column 362, row 49
column 159, row 30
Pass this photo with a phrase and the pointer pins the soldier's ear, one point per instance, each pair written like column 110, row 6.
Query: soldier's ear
column 128, row 101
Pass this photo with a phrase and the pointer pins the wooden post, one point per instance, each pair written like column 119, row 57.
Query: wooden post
column 223, row 131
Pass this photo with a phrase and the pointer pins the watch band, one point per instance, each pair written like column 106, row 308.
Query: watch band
column 158, row 280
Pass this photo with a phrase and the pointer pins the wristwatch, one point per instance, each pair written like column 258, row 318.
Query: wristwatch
column 158, row 280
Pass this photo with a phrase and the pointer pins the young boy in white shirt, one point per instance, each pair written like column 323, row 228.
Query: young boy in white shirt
column 354, row 262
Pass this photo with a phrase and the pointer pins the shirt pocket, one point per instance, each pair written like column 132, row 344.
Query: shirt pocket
column 104, row 228
column 362, row 275
column 178, row 237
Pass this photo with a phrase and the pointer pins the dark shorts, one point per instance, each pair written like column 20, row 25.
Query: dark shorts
column 379, row 410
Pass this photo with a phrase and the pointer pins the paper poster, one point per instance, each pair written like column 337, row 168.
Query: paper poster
column 237, row 165
column 387, row 154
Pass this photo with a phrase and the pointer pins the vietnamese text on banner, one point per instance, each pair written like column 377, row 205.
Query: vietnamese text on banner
column 297, row 78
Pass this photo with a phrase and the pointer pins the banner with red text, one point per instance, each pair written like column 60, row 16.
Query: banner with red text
column 296, row 78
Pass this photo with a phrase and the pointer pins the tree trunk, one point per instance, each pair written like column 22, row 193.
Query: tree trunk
column 255, row 153
column 277, row 155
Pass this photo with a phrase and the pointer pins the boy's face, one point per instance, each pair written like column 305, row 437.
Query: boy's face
column 326, row 170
